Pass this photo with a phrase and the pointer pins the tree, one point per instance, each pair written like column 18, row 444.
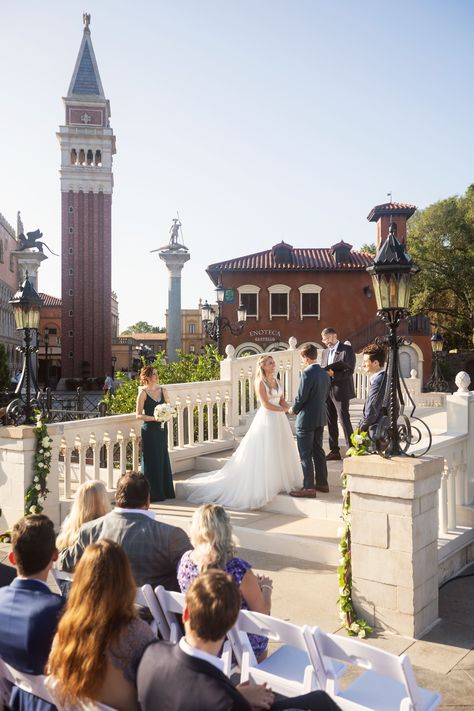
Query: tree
column 369, row 248
column 189, row 368
column 142, row 327
column 441, row 242
column 4, row 369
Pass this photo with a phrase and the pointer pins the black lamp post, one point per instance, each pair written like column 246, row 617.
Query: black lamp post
column 214, row 324
column 114, row 360
column 26, row 309
column 144, row 352
column 46, row 359
column 392, row 272
column 437, row 383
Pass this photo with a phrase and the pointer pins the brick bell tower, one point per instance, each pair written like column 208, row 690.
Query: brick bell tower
column 87, row 146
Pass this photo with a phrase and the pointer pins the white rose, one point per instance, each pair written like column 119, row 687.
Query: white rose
column 45, row 441
column 38, row 487
column 32, row 509
column 40, row 465
column 359, row 439
column 354, row 627
column 361, row 634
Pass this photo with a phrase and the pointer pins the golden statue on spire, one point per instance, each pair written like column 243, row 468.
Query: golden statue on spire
column 86, row 19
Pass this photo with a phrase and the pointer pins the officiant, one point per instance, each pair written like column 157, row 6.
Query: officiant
column 339, row 360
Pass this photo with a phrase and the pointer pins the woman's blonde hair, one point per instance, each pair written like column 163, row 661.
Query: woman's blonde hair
column 211, row 531
column 146, row 374
column 91, row 501
column 260, row 373
column 100, row 605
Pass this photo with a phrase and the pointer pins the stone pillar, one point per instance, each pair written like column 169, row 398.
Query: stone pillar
column 394, row 505
column 17, row 451
column 174, row 258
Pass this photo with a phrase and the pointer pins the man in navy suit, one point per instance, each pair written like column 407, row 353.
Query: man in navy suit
column 342, row 388
column 373, row 362
column 29, row 611
column 188, row 675
column 310, row 408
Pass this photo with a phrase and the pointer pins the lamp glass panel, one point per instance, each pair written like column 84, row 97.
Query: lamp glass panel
column 206, row 312
column 220, row 293
column 242, row 313
column 212, row 315
column 376, row 287
column 404, row 290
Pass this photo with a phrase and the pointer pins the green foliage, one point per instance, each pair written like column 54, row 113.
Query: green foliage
column 441, row 242
column 360, row 444
column 190, row 368
column 4, row 369
column 369, row 248
column 143, row 327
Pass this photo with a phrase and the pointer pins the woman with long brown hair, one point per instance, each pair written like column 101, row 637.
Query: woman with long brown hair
column 100, row 639
column 266, row 461
column 156, row 465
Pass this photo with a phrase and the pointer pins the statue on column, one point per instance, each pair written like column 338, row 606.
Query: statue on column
column 174, row 231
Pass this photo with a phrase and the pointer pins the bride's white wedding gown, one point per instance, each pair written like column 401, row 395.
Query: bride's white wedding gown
column 265, row 464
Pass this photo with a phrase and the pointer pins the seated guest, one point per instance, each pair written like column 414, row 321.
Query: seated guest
column 373, row 362
column 211, row 536
column 100, row 639
column 178, row 677
column 29, row 611
column 7, row 574
column 153, row 548
column 90, row 502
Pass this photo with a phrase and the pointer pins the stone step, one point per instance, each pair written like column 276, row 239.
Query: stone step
column 297, row 536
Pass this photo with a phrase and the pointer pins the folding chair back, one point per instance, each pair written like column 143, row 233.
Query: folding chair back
column 289, row 670
column 31, row 683
column 387, row 683
column 172, row 605
column 147, row 598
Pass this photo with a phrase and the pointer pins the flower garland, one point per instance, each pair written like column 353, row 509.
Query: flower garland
column 36, row 493
column 355, row 626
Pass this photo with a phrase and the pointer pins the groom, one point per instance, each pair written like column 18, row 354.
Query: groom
column 310, row 408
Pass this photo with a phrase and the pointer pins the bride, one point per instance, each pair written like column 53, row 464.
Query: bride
column 266, row 461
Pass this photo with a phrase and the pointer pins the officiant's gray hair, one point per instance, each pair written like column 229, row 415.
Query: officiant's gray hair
column 211, row 528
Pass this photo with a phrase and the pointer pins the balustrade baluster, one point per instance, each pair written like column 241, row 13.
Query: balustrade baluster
column 82, row 451
column 452, row 496
column 67, row 472
column 109, row 447
column 123, row 453
column 190, row 415
column 251, row 390
column 210, row 422
column 179, row 418
column 227, row 409
column 443, row 501
column 243, row 404
column 220, row 434
column 96, row 459
column 200, row 409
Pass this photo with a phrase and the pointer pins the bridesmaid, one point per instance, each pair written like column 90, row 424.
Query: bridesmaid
column 155, row 458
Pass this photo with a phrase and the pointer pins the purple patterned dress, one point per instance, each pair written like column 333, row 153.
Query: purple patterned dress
column 188, row 570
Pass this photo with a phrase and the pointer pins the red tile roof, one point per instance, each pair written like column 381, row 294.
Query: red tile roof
column 391, row 208
column 49, row 300
column 302, row 259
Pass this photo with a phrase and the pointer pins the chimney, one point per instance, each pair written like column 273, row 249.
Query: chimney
column 391, row 212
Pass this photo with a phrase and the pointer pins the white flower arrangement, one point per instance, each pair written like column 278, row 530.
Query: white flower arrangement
column 164, row 412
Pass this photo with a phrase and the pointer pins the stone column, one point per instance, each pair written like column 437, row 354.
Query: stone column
column 394, row 505
column 174, row 258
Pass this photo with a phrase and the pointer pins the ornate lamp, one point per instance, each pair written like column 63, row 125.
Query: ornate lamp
column 26, row 305
column 437, row 383
column 392, row 272
column 214, row 323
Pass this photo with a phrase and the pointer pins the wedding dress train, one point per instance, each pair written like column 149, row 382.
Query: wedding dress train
column 265, row 464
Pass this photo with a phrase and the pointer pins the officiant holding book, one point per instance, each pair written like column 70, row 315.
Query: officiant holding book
column 339, row 360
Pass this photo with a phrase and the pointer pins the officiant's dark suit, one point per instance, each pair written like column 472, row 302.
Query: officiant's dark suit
column 341, row 390
column 310, row 408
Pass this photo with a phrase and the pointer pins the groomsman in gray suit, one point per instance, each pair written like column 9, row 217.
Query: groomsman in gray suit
column 373, row 362
column 310, row 408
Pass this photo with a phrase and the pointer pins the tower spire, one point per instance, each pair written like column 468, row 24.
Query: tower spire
column 85, row 77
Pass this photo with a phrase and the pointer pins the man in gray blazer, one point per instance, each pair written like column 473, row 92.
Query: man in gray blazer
column 310, row 408
column 373, row 362
column 153, row 548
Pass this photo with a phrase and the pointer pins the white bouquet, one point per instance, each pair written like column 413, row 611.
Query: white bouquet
column 164, row 412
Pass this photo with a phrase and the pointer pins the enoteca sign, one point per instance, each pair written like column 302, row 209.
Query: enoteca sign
column 265, row 335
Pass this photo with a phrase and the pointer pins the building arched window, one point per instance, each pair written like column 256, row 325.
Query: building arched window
column 279, row 301
column 248, row 296
column 310, row 301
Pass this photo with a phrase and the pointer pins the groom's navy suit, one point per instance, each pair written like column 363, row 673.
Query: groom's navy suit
column 310, row 408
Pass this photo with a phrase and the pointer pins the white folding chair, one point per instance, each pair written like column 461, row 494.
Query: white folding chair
column 387, row 682
column 5, row 685
column 289, row 670
column 146, row 598
column 172, row 605
column 31, row 683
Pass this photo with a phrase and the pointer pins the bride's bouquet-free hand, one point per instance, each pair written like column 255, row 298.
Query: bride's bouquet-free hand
column 164, row 412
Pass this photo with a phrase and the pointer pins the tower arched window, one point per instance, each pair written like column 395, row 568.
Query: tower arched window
column 98, row 158
column 90, row 157
column 82, row 157
column 73, row 156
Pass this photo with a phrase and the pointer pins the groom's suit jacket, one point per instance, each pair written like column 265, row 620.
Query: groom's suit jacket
column 373, row 403
column 342, row 385
column 310, row 402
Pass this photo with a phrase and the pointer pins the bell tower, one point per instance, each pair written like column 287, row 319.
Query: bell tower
column 87, row 147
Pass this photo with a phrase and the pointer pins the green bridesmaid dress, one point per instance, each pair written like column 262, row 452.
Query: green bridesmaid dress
column 155, row 458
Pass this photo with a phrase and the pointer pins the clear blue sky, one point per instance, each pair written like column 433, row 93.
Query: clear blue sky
column 259, row 120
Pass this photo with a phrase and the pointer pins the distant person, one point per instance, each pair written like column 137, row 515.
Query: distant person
column 153, row 548
column 188, row 675
column 108, row 384
column 29, row 611
column 373, row 364
column 100, row 639
column 155, row 457
column 342, row 357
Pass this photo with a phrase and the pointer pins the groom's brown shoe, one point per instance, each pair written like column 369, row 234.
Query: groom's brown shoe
column 304, row 493
column 324, row 489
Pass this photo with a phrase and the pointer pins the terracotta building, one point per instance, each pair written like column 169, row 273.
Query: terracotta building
column 49, row 341
column 87, row 147
column 295, row 291
column 9, row 280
